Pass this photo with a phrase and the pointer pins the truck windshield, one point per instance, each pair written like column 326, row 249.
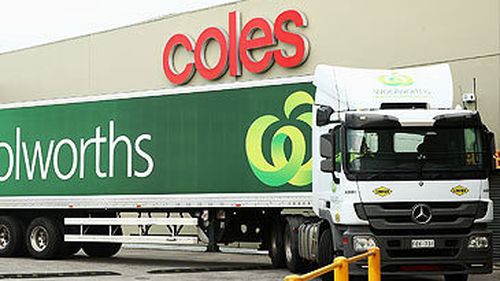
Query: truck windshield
column 415, row 153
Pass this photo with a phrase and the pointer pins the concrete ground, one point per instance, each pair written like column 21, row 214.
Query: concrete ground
column 160, row 264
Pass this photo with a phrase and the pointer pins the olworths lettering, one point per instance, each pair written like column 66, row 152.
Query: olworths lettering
column 39, row 159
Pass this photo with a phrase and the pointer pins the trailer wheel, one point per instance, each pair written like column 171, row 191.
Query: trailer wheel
column 325, row 252
column 102, row 250
column 71, row 249
column 276, row 247
column 45, row 238
column 456, row 277
column 11, row 236
column 291, row 242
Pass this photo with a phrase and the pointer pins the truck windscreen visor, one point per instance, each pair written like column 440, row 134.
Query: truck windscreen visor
column 458, row 120
column 366, row 121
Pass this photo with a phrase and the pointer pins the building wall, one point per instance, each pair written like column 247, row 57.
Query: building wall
column 378, row 34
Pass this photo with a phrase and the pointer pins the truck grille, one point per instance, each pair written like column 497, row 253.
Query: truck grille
column 422, row 253
column 447, row 217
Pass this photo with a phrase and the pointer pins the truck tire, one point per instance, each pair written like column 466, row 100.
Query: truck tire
column 456, row 277
column 325, row 252
column 102, row 250
column 276, row 247
column 11, row 237
column 45, row 238
column 71, row 249
column 294, row 262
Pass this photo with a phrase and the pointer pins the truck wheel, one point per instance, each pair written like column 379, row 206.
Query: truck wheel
column 456, row 277
column 325, row 252
column 70, row 249
column 102, row 250
column 11, row 237
column 291, row 242
column 45, row 238
column 277, row 248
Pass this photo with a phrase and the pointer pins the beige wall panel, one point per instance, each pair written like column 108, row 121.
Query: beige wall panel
column 385, row 33
column 487, row 74
column 49, row 71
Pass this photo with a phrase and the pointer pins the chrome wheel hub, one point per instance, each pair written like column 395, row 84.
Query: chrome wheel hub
column 39, row 238
column 4, row 236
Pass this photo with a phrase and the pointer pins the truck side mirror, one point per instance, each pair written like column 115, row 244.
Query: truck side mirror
column 323, row 115
column 326, row 146
column 328, row 152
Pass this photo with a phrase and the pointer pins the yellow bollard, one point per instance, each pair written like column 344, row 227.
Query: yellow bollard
column 341, row 273
column 374, row 265
column 292, row 278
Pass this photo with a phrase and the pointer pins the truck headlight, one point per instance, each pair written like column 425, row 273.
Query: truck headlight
column 363, row 243
column 478, row 242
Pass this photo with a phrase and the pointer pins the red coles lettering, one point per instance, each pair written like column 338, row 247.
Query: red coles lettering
column 236, row 48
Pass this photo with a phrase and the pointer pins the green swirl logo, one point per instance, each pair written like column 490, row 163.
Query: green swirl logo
column 396, row 79
column 283, row 169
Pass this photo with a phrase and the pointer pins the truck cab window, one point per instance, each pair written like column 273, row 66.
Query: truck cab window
column 407, row 142
column 415, row 153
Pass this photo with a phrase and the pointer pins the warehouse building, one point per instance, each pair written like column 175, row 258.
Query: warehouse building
column 203, row 48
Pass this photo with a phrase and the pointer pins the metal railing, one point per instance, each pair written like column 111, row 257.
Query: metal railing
column 340, row 268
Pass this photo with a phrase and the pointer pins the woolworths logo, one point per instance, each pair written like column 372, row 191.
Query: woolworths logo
column 40, row 159
column 292, row 168
column 395, row 79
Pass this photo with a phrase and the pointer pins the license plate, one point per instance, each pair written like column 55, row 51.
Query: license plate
column 422, row 243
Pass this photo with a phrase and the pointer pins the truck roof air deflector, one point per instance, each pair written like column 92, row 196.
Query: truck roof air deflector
column 340, row 87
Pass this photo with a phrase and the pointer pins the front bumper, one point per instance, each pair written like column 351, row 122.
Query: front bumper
column 449, row 256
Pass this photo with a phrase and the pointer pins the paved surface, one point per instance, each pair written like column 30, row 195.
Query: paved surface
column 156, row 264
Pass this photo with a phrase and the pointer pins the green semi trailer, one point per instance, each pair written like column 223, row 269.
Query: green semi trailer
column 217, row 158
column 310, row 168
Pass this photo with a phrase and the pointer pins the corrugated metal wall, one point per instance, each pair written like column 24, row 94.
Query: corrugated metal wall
column 495, row 225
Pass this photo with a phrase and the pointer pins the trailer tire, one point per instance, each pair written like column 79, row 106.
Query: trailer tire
column 456, row 277
column 325, row 252
column 294, row 262
column 102, row 250
column 70, row 249
column 45, row 238
column 11, row 237
column 277, row 247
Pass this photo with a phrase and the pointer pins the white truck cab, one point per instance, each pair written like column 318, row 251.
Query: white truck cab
column 395, row 166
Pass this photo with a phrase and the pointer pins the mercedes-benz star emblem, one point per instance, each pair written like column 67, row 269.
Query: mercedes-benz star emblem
column 421, row 214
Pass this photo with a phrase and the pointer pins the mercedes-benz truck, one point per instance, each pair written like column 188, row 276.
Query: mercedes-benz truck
column 308, row 168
